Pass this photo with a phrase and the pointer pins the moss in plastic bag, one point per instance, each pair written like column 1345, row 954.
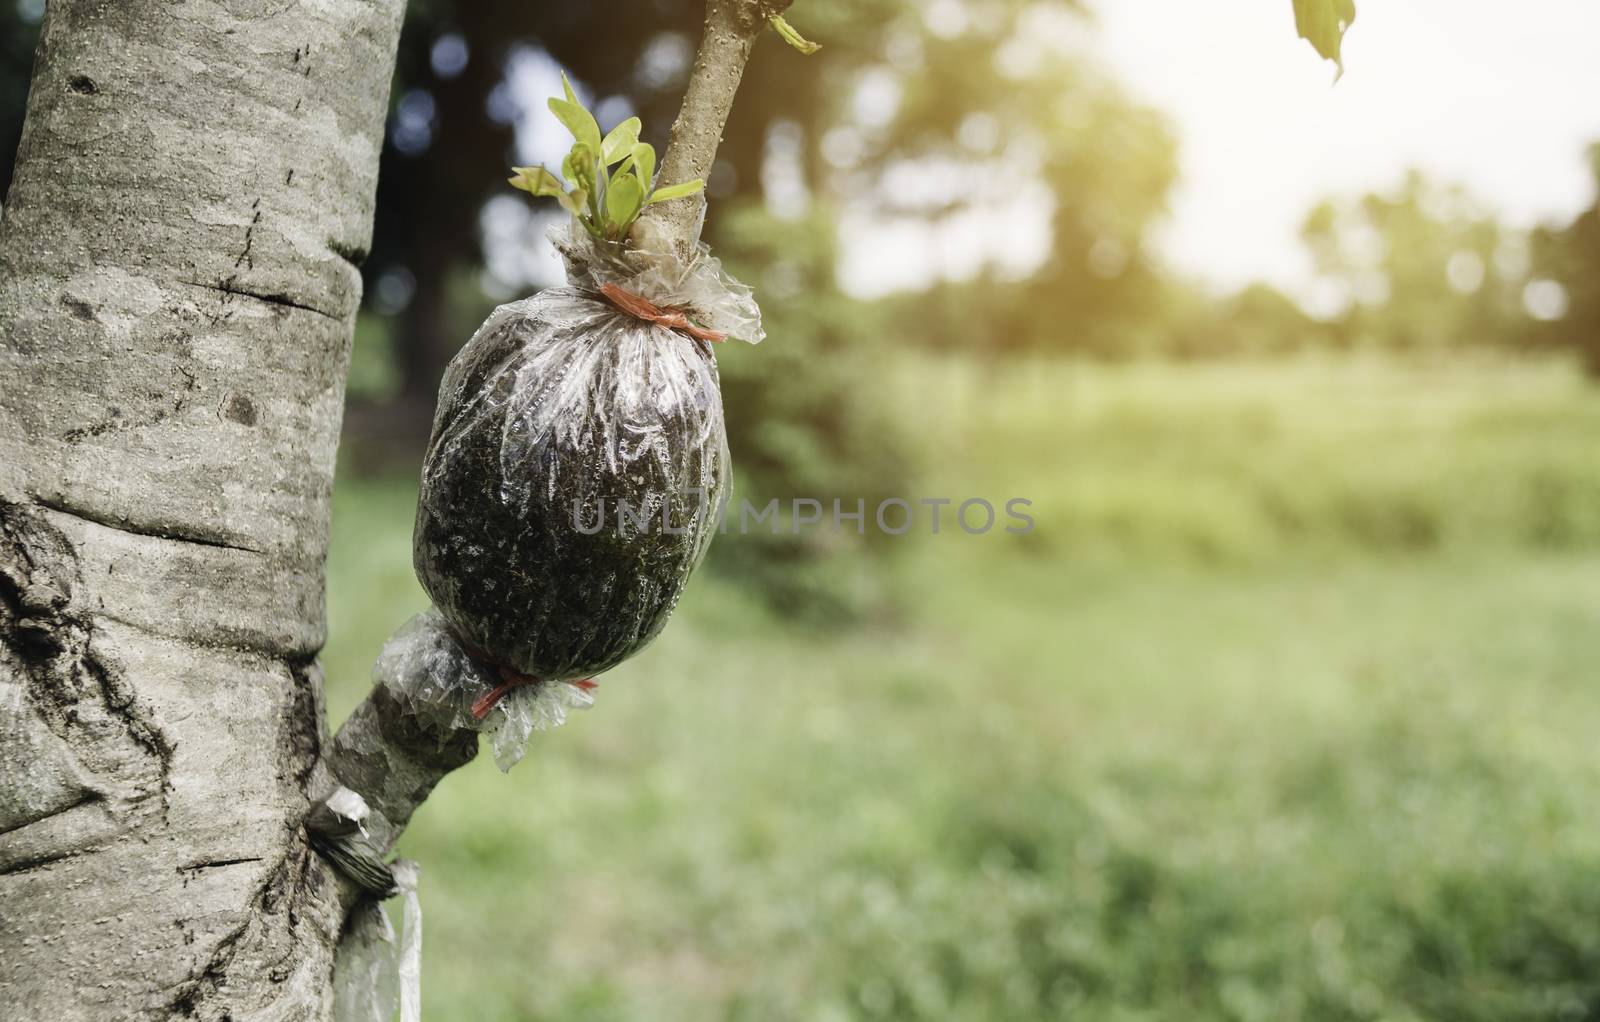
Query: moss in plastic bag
column 578, row 464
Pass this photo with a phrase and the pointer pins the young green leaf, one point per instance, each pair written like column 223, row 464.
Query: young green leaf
column 644, row 163
column 620, row 141
column 579, row 166
column 671, row 192
column 623, row 201
column 579, row 121
column 1323, row 24
column 792, row 37
column 537, row 181
column 604, row 201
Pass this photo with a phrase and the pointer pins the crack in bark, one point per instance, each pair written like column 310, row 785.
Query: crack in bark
column 35, row 863
column 195, row 867
column 172, row 533
column 280, row 299
column 86, row 826
column 245, row 258
column 86, row 798
column 302, row 726
column 198, row 988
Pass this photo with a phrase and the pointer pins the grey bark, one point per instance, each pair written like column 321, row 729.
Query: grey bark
column 177, row 292
column 730, row 33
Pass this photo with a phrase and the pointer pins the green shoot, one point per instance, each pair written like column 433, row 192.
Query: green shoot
column 605, row 181
column 792, row 37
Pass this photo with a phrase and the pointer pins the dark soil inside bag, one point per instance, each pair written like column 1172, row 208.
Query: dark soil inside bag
column 509, row 540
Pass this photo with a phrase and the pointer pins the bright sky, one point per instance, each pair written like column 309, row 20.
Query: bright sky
column 1502, row 97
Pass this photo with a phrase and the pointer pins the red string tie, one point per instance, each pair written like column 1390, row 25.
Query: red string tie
column 643, row 308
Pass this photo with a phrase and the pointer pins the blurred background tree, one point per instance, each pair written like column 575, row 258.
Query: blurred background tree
column 1422, row 268
column 19, row 31
column 1564, row 296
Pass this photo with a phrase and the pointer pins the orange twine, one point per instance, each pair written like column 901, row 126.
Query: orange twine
column 643, row 308
column 509, row 679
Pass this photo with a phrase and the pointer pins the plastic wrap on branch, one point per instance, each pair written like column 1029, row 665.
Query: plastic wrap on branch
column 377, row 972
column 579, row 463
column 701, row 287
column 428, row 673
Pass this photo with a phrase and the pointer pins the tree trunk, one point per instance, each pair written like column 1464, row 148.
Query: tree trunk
column 178, row 285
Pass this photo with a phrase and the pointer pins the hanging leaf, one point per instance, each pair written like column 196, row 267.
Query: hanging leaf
column 1323, row 24
column 671, row 192
column 620, row 141
column 792, row 37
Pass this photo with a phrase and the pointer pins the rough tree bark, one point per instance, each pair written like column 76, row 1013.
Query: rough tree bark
column 178, row 287
column 732, row 27
column 177, row 291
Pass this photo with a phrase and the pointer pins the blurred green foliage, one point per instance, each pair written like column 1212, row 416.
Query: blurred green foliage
column 802, row 411
column 1424, row 267
column 1569, row 257
column 1284, row 712
column 1318, row 456
column 19, row 31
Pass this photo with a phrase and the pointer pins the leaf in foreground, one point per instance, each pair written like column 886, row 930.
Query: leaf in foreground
column 1323, row 24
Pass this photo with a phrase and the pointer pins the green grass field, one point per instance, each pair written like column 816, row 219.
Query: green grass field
column 1286, row 710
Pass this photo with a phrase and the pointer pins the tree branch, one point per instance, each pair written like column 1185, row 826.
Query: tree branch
column 730, row 33
column 392, row 760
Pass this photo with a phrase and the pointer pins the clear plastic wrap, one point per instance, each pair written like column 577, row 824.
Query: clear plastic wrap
column 701, row 287
column 376, row 972
column 429, row 673
column 579, row 463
